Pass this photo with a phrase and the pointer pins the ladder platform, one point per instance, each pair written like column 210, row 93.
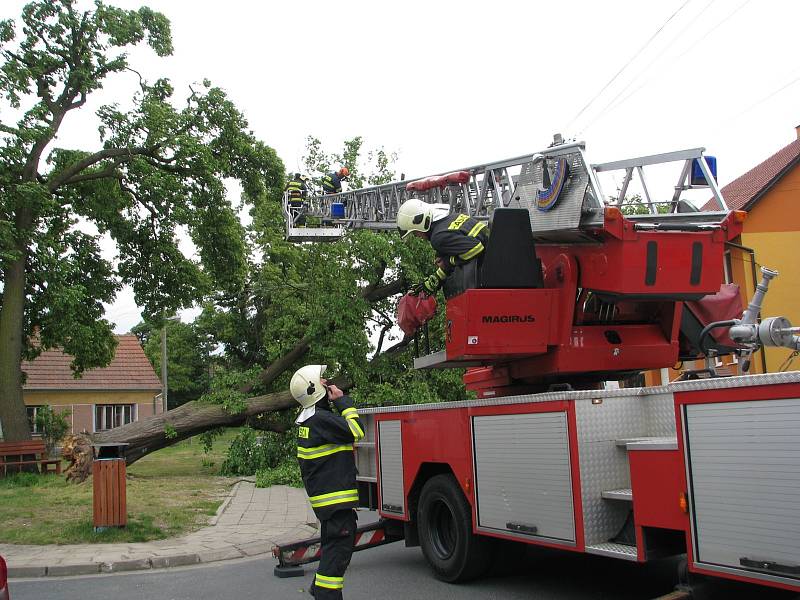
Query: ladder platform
column 625, row 494
column 438, row 360
column 648, row 443
column 314, row 234
column 613, row 550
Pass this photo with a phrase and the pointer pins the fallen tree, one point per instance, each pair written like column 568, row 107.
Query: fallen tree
column 159, row 431
column 193, row 418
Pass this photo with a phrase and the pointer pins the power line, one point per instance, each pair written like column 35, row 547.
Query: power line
column 758, row 102
column 700, row 39
column 625, row 66
column 666, row 47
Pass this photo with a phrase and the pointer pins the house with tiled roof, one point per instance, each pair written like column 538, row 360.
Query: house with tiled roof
column 125, row 391
column 770, row 194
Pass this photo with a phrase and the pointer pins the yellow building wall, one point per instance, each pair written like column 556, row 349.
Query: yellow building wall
column 63, row 398
column 772, row 230
column 779, row 251
column 82, row 404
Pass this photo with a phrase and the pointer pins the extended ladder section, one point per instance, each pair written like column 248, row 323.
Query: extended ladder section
column 558, row 186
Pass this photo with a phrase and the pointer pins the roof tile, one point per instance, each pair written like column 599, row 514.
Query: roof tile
column 740, row 192
column 129, row 370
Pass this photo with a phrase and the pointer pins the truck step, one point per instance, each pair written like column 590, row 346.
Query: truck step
column 625, row 494
column 613, row 550
column 648, row 443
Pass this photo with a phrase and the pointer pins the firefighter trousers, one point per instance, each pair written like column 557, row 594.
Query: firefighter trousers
column 338, row 536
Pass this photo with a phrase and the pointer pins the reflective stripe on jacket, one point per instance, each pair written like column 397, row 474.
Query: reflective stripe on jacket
column 457, row 239
column 331, row 184
column 296, row 188
column 325, row 453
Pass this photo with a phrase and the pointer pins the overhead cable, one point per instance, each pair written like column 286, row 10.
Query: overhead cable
column 625, row 66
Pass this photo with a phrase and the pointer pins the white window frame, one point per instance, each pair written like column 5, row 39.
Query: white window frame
column 114, row 412
column 727, row 266
column 32, row 421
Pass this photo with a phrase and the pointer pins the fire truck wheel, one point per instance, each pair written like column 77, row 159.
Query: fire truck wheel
column 445, row 532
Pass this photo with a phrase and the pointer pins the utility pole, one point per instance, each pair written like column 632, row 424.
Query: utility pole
column 164, row 365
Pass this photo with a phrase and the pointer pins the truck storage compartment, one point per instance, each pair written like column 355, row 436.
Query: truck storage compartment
column 390, row 455
column 743, row 461
column 522, row 474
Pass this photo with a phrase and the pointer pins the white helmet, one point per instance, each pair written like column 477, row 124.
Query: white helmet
column 306, row 385
column 414, row 215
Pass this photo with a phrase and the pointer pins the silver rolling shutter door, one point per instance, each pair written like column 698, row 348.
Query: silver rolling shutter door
column 523, row 478
column 744, row 469
column 391, row 457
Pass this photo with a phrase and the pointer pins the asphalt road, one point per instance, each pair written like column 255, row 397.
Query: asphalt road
column 390, row 572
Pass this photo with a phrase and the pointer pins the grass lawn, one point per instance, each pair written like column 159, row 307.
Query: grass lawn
column 170, row 492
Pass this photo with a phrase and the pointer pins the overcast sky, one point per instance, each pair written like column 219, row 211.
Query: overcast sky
column 454, row 84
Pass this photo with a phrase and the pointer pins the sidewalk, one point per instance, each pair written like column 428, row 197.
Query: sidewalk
column 248, row 523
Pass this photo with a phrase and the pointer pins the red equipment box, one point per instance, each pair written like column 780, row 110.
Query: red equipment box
column 485, row 323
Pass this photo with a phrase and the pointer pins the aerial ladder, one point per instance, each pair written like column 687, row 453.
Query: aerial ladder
column 597, row 293
column 533, row 181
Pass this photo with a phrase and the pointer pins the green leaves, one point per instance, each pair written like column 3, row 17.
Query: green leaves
column 157, row 182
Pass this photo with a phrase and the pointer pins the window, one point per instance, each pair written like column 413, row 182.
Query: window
column 33, row 411
column 728, row 267
column 109, row 416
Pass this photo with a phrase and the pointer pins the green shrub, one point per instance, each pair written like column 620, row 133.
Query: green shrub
column 250, row 451
column 53, row 426
column 287, row 473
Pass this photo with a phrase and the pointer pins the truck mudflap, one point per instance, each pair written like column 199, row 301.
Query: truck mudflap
column 292, row 556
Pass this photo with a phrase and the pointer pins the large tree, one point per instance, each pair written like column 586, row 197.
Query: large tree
column 157, row 173
column 329, row 303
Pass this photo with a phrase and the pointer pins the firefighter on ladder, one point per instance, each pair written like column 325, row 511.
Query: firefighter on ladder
column 332, row 182
column 298, row 191
column 457, row 239
column 327, row 465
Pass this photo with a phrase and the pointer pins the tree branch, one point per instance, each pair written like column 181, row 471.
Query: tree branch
column 80, row 165
column 255, row 422
column 108, row 172
column 11, row 130
column 385, row 291
column 380, row 341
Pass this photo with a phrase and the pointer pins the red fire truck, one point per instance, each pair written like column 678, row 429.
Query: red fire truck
column 572, row 292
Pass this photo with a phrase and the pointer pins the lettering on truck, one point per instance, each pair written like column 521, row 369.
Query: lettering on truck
column 508, row 318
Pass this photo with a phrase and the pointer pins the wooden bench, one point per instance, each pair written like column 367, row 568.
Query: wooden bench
column 14, row 453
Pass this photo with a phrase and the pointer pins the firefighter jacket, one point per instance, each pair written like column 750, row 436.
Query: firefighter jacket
column 325, row 453
column 297, row 189
column 457, row 239
column 331, row 184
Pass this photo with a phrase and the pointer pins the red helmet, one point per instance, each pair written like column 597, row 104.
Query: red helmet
column 344, row 172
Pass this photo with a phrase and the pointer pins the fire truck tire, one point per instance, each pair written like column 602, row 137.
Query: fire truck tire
column 445, row 532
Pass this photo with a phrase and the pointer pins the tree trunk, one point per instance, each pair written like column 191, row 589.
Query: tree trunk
column 13, row 417
column 160, row 431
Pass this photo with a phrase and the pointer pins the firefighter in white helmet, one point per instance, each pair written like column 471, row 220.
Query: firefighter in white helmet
column 325, row 453
column 457, row 239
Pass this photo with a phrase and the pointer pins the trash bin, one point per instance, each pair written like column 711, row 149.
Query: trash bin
column 108, row 480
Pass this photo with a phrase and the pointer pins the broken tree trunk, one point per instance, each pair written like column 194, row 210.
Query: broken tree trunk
column 193, row 418
column 160, row 431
